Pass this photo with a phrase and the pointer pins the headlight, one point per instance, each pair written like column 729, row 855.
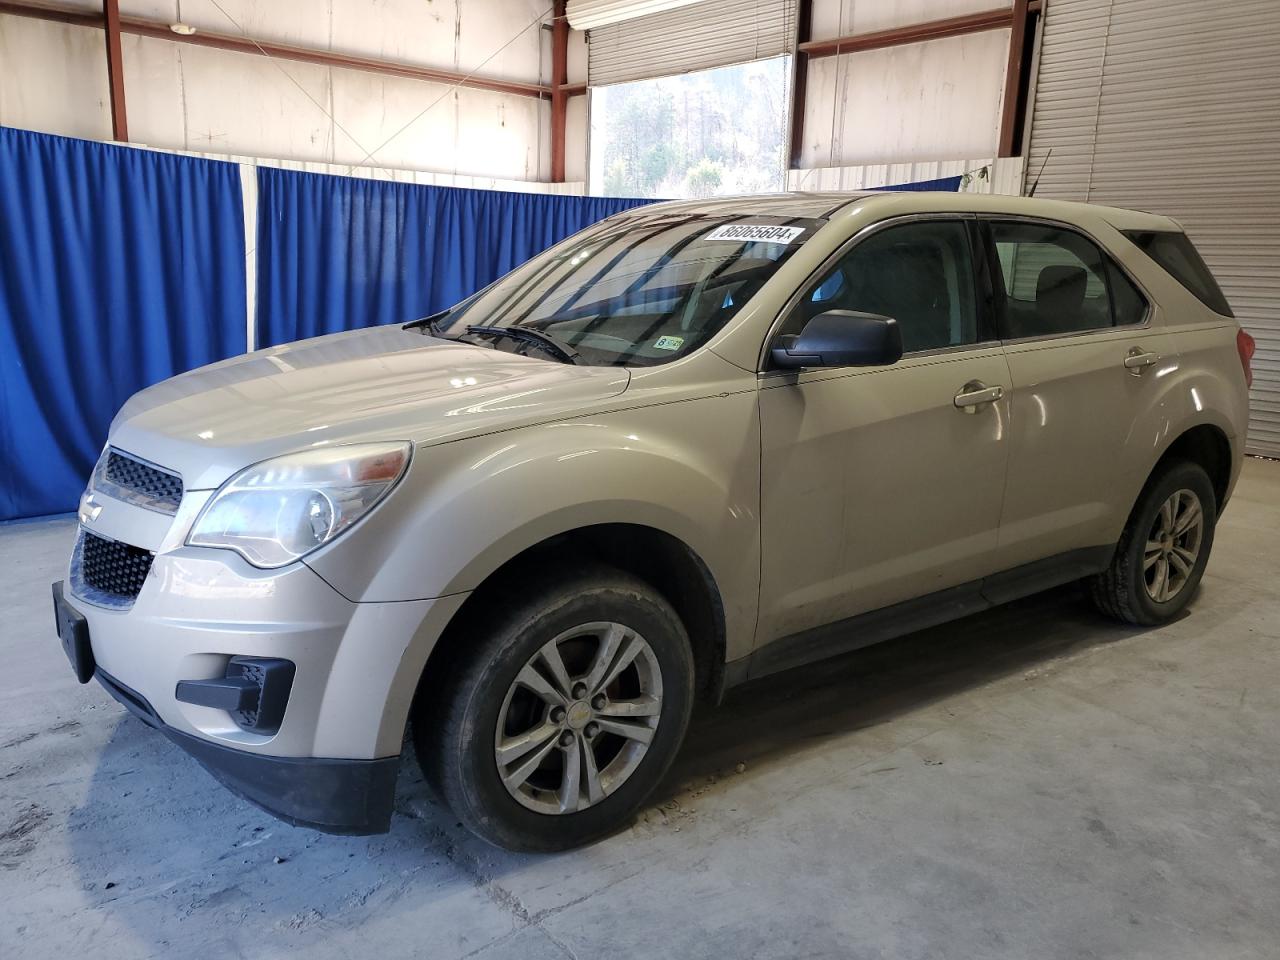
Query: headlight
column 276, row 511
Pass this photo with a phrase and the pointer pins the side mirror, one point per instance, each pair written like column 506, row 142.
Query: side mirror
column 841, row 338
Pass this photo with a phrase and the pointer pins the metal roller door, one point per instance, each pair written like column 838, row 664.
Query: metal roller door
column 1173, row 106
column 711, row 33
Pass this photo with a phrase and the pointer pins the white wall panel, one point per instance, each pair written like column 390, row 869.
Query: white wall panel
column 1002, row 175
column 426, row 143
column 155, row 98
column 575, row 139
column 303, row 23
column 449, row 34
column 841, row 18
column 940, row 98
column 53, row 78
column 231, row 102
column 189, row 97
column 407, row 31
column 485, row 26
column 499, row 136
column 166, row 10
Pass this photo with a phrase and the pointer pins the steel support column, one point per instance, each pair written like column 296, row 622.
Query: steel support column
column 115, row 69
column 800, row 80
column 1013, row 100
column 559, row 88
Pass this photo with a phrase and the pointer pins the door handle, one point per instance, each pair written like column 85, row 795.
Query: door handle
column 975, row 393
column 1138, row 359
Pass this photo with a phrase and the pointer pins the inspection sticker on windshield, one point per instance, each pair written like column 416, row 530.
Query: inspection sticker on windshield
column 668, row 343
column 766, row 232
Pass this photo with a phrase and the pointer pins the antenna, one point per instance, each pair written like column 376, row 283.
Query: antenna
column 1045, row 163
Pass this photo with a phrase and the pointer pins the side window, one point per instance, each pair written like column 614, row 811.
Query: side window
column 921, row 274
column 1056, row 281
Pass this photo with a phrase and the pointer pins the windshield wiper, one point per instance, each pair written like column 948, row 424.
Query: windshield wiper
column 529, row 335
column 430, row 324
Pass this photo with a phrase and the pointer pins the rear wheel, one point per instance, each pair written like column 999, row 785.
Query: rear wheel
column 554, row 727
column 1162, row 553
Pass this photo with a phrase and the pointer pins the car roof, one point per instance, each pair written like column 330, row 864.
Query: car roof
column 793, row 204
column 895, row 203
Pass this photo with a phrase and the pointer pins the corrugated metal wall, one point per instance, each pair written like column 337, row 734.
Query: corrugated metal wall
column 713, row 33
column 1173, row 106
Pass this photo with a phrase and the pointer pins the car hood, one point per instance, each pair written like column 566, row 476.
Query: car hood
column 382, row 383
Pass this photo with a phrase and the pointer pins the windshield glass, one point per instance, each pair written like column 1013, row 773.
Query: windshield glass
column 637, row 290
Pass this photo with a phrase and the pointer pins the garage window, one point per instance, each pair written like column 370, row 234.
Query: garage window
column 711, row 133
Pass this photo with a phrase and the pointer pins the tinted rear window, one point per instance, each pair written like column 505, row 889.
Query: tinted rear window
column 1175, row 252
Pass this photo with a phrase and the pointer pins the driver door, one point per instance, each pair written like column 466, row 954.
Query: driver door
column 877, row 487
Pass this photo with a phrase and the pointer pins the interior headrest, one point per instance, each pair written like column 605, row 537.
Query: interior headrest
column 1062, row 286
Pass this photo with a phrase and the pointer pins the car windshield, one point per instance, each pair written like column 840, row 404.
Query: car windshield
column 636, row 290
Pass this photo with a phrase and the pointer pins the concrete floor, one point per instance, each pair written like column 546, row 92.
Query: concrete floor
column 1031, row 783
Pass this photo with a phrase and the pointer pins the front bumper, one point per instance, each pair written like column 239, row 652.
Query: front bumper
column 198, row 608
column 332, row 762
column 333, row 795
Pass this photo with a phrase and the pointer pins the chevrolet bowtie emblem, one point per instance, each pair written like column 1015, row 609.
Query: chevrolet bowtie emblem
column 89, row 508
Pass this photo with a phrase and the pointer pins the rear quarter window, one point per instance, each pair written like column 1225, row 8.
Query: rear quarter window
column 1056, row 281
column 1180, row 259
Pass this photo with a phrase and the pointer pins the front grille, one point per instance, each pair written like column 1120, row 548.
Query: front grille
column 142, row 483
column 113, row 568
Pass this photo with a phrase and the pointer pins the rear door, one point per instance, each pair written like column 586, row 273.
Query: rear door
column 1085, row 360
column 876, row 487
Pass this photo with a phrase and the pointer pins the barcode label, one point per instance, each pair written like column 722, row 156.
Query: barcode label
column 764, row 232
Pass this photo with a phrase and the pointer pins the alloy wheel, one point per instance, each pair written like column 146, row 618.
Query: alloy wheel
column 579, row 717
column 1173, row 546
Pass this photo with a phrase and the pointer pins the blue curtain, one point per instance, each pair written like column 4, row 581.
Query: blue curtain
column 336, row 253
column 120, row 267
column 943, row 185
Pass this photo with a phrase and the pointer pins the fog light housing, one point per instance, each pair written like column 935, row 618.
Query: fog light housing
column 254, row 690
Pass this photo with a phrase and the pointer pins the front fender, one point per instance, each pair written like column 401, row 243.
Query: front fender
column 689, row 469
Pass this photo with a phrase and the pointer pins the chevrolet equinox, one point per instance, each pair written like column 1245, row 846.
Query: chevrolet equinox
column 692, row 445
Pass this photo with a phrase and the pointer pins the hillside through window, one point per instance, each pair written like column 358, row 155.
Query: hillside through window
column 710, row 133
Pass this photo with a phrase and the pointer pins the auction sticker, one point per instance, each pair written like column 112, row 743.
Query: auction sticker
column 764, row 232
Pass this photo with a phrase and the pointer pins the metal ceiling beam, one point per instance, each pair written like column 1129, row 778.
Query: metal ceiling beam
column 281, row 51
column 913, row 33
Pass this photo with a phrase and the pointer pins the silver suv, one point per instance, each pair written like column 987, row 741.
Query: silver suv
column 692, row 445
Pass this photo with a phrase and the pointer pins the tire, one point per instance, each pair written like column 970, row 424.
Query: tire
column 576, row 615
column 1130, row 590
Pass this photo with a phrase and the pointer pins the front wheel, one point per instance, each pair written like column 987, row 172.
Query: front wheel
column 561, row 718
column 1163, row 551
